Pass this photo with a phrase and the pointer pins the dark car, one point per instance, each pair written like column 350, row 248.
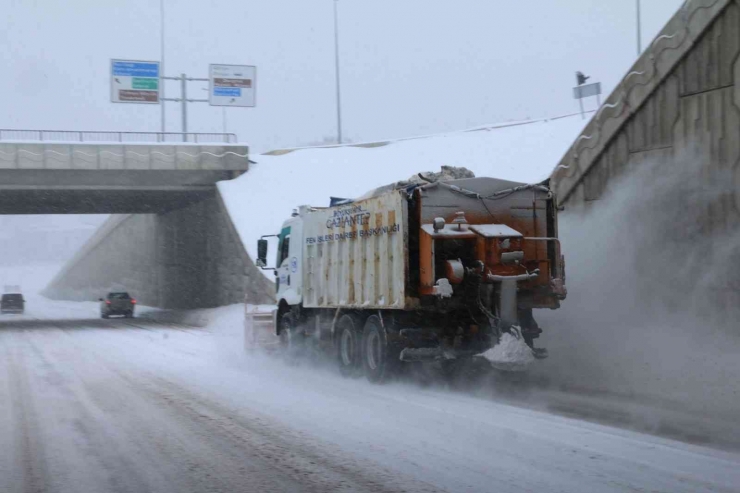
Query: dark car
column 119, row 303
column 12, row 303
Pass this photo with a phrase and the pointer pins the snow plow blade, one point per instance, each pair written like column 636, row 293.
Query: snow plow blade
column 258, row 328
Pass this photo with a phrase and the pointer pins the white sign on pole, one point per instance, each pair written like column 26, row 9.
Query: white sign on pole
column 232, row 85
column 133, row 81
column 587, row 90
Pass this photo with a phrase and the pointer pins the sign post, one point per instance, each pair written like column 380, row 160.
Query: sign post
column 232, row 85
column 134, row 81
column 583, row 90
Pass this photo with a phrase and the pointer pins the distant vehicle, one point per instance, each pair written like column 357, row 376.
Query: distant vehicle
column 12, row 303
column 119, row 303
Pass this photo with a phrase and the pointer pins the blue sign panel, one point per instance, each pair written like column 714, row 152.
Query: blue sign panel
column 234, row 92
column 135, row 69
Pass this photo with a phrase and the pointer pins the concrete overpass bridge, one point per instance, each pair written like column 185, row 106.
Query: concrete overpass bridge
column 114, row 176
column 170, row 241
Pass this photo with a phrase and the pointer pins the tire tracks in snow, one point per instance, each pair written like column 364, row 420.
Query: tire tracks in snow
column 28, row 443
column 248, row 446
column 293, row 454
column 80, row 425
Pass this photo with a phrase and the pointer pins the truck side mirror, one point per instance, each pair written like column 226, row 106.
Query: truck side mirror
column 261, row 253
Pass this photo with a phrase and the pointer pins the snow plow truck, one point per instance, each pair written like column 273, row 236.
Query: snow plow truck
column 417, row 272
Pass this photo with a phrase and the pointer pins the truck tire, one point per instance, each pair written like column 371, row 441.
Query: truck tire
column 348, row 337
column 289, row 345
column 379, row 361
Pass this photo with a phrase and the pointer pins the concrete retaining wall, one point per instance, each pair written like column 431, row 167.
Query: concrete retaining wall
column 689, row 110
column 666, row 140
column 187, row 258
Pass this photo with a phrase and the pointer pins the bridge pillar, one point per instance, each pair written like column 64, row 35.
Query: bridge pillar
column 191, row 257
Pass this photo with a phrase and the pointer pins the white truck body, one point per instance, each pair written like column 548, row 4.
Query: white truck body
column 351, row 256
column 355, row 254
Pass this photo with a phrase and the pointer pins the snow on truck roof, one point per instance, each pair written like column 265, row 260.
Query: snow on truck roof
column 495, row 230
column 448, row 231
column 482, row 185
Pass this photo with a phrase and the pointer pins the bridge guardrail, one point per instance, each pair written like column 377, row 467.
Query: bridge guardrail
column 103, row 136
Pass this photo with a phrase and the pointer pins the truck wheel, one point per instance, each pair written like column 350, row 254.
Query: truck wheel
column 378, row 361
column 348, row 345
column 289, row 344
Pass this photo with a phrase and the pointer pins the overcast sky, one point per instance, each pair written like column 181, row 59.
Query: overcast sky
column 408, row 67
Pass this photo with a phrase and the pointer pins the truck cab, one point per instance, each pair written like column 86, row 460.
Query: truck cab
column 288, row 271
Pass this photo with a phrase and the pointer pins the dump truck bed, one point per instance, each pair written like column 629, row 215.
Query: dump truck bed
column 366, row 254
column 356, row 254
column 527, row 209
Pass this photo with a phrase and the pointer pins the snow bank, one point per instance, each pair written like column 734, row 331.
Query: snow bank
column 260, row 200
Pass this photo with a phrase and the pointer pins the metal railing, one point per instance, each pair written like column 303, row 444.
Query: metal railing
column 131, row 137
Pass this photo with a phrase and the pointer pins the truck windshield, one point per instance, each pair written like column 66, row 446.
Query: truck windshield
column 285, row 250
column 283, row 246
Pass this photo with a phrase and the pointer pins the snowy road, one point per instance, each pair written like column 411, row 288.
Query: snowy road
column 81, row 419
column 131, row 406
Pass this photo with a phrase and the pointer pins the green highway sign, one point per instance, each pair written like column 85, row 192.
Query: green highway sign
column 141, row 83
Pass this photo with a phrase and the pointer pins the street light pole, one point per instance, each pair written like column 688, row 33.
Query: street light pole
column 161, row 64
column 336, row 69
column 184, row 101
column 639, row 30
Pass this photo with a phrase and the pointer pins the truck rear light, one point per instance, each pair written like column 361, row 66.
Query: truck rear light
column 107, row 302
column 133, row 301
